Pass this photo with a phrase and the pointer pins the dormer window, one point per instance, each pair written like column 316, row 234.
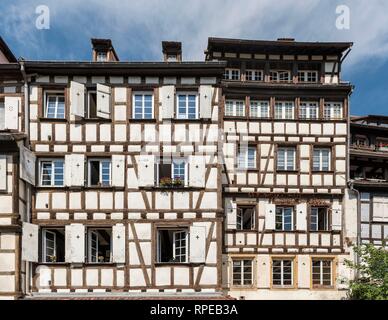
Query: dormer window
column 172, row 58
column 102, row 56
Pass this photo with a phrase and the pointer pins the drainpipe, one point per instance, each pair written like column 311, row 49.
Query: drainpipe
column 351, row 187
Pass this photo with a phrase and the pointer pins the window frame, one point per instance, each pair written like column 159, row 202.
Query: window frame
column 186, row 162
column 321, row 160
column 283, row 208
column 279, row 72
column 282, row 259
column 308, row 107
column 99, row 54
column 100, row 183
column 143, row 94
column 245, row 151
column 327, row 219
column 321, row 284
column 52, row 173
column 44, row 245
column 240, row 225
column 331, row 105
column 306, row 76
column 88, row 93
column 229, row 73
column 255, row 73
column 286, row 159
column 234, row 107
column 260, row 104
column 94, row 230
column 187, row 94
column 159, row 248
column 284, row 106
column 56, row 93
column 243, row 272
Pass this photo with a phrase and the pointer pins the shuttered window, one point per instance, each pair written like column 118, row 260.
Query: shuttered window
column 55, row 105
column 100, row 172
column 319, row 219
column 284, row 219
column 187, row 105
column 143, row 105
column 52, row 172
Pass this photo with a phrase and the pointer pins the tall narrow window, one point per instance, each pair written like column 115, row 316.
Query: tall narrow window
column 286, row 158
column 319, row 219
column 333, row 110
column 51, row 172
column 173, row 246
column 245, row 218
column 321, row 159
column 92, row 104
column 308, row 110
column 235, row 108
column 284, row 110
column 284, row 219
column 143, row 105
column 99, row 172
column 53, row 245
column 282, row 272
column 242, row 272
column 55, row 105
column 99, row 245
column 247, row 158
column 259, row 109
column 187, row 106
column 322, row 272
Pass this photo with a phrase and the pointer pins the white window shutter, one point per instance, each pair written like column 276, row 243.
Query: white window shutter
column 74, row 170
column 3, row 172
column 336, row 217
column 30, row 242
column 11, row 112
column 118, row 250
column 205, row 101
column 75, row 243
column 146, row 170
column 77, row 99
column 301, row 216
column 167, row 101
column 231, row 214
column 197, row 244
column 27, row 165
column 103, row 101
column 118, row 170
column 270, row 212
column 197, row 170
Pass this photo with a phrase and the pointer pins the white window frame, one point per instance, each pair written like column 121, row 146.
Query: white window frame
column 321, row 272
column 91, row 232
column 101, row 56
column 274, row 76
column 315, row 215
column 309, row 106
column 100, row 171
column 306, row 74
column 180, row 246
column 321, row 159
column 88, row 93
column 330, row 110
column 44, row 245
column 259, row 105
column 56, row 93
column 282, row 208
column 282, row 260
column 284, row 107
column 242, row 267
column 185, row 160
column 185, row 116
column 257, row 75
column 228, row 74
column 175, row 231
column 142, row 93
column 287, row 150
column 240, row 218
column 52, row 161
column 244, row 152
column 234, row 108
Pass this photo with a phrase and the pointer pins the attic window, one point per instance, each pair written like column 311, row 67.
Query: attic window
column 172, row 58
column 102, row 56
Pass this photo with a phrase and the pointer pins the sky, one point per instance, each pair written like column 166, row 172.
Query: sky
column 138, row 27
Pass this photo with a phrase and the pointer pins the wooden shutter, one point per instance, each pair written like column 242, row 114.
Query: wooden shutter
column 167, row 101
column 336, row 217
column 197, row 244
column 30, row 242
column 3, row 172
column 301, row 216
column 118, row 170
column 77, row 99
column 103, row 101
column 146, row 170
column 27, row 165
column 11, row 112
column 75, row 243
column 74, row 170
column 270, row 212
column 231, row 214
column 205, row 101
column 118, row 242
column 197, row 170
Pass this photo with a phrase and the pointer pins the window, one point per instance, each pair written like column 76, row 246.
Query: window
column 322, row 272
column 284, row 219
column 187, row 106
column 280, row 76
column 235, row 108
column 286, row 158
column 51, row 172
column 142, row 105
column 308, row 110
column 2, row 115
column 247, row 158
column 284, row 110
column 319, row 219
column 232, row 74
column 99, row 245
column 259, row 109
column 54, row 105
column 254, row 75
column 333, row 110
column 321, row 159
column 99, row 172
column 172, row 172
column 242, row 272
column 282, row 272
column 102, row 56
column 308, row 76
column 245, row 217
column 172, row 245
column 92, row 104
column 53, row 245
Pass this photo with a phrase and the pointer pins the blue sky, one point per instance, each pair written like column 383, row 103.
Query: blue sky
column 138, row 27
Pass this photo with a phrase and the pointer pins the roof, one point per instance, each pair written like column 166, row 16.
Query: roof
column 281, row 46
column 104, row 44
column 371, row 117
column 7, row 51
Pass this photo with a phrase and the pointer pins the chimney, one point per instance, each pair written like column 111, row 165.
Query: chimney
column 172, row 51
column 103, row 51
